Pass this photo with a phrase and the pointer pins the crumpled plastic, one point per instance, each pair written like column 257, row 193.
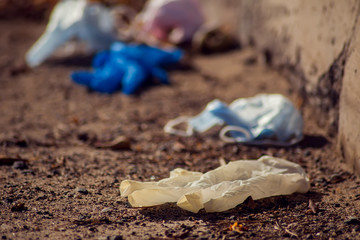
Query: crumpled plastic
column 266, row 119
column 175, row 21
column 127, row 66
column 222, row 188
column 89, row 22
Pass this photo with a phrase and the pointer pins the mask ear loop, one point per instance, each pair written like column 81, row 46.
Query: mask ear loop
column 170, row 127
column 225, row 130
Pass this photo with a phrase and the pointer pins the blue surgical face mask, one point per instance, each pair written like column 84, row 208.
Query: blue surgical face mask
column 264, row 119
column 215, row 113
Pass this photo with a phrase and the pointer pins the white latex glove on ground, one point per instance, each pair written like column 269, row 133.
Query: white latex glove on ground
column 91, row 23
column 222, row 188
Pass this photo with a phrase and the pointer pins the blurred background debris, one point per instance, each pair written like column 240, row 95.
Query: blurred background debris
column 40, row 9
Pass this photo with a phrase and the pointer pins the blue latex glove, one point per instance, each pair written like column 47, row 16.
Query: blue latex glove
column 127, row 67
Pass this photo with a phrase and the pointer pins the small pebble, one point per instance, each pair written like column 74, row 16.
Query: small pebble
column 336, row 178
column 18, row 207
column 21, row 165
column 9, row 200
column 179, row 147
column 118, row 237
column 82, row 191
column 133, row 171
column 106, row 210
column 86, row 137
column 307, row 153
column 353, row 220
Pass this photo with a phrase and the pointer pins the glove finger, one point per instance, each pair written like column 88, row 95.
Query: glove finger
column 108, row 79
column 161, row 75
column 83, row 78
column 100, row 59
column 134, row 77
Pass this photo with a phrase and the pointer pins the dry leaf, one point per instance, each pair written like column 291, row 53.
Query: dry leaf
column 312, row 206
column 178, row 147
column 5, row 160
column 119, row 143
column 237, row 227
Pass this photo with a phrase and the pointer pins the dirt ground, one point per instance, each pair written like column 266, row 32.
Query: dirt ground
column 67, row 189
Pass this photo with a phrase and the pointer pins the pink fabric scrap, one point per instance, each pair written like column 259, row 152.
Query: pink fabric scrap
column 172, row 20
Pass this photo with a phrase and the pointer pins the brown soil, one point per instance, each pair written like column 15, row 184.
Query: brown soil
column 67, row 189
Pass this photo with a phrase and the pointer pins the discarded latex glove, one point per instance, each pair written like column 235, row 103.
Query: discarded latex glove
column 174, row 21
column 127, row 67
column 266, row 119
column 222, row 188
column 89, row 22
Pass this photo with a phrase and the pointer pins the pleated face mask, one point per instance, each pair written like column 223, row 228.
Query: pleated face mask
column 266, row 119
